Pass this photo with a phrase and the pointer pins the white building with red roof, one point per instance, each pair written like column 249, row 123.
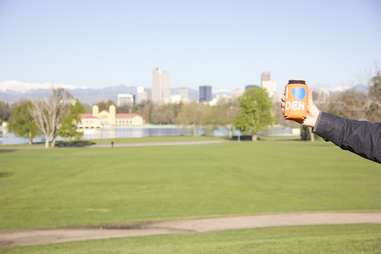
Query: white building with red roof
column 109, row 119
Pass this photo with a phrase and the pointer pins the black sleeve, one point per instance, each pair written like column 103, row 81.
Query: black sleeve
column 360, row 137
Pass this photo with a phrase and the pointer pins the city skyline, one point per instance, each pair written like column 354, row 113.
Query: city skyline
column 218, row 43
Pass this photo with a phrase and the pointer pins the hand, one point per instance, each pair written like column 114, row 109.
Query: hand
column 312, row 113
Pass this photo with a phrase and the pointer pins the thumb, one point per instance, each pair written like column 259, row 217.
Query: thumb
column 310, row 102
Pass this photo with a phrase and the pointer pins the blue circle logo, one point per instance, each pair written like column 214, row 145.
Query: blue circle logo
column 298, row 93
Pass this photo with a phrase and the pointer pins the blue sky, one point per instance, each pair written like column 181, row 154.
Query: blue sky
column 226, row 44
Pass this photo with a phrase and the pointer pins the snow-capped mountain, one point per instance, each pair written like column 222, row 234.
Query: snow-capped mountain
column 13, row 91
column 23, row 87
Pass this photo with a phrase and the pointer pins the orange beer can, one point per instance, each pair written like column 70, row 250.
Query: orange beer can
column 296, row 101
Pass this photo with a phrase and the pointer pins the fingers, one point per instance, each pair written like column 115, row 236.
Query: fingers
column 282, row 103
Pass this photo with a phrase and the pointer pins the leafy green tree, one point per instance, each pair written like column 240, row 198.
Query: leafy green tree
column 255, row 111
column 21, row 121
column 5, row 111
column 68, row 127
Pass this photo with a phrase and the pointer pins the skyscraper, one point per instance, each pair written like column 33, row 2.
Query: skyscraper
column 205, row 93
column 265, row 76
column 160, row 86
column 141, row 94
column 268, row 84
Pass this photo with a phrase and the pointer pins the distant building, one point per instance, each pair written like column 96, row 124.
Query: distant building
column 183, row 94
column 270, row 87
column 3, row 128
column 250, row 86
column 109, row 119
column 125, row 99
column 237, row 92
column 176, row 98
column 141, row 94
column 268, row 84
column 160, row 86
column 265, row 76
column 205, row 93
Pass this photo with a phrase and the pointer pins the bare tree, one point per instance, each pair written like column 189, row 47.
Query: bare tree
column 224, row 113
column 48, row 114
column 374, row 108
column 349, row 104
column 195, row 115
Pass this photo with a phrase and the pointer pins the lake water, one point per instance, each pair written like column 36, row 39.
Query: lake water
column 151, row 131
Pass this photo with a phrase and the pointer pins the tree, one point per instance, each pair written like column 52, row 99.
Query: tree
column 255, row 111
column 68, row 127
column 104, row 105
column 194, row 114
column 48, row 114
column 349, row 104
column 21, row 121
column 5, row 111
column 125, row 108
column 374, row 108
column 375, row 88
column 145, row 109
column 164, row 114
column 225, row 112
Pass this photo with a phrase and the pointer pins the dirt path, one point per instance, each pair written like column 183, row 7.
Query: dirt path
column 35, row 237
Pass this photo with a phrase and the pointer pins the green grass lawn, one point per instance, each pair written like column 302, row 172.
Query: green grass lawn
column 91, row 186
column 312, row 240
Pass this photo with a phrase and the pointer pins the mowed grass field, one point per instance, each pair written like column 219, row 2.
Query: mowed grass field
column 100, row 186
column 343, row 239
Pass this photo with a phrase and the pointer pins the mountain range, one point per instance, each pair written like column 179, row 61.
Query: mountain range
column 12, row 91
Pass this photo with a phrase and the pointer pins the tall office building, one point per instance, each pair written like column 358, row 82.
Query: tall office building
column 205, row 93
column 265, row 76
column 160, row 86
column 141, row 94
column 268, row 84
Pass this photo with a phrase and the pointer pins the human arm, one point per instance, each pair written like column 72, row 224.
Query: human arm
column 360, row 137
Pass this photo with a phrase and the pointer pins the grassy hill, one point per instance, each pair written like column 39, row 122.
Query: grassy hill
column 92, row 186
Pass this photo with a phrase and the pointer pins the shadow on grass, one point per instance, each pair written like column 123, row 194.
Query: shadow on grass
column 79, row 143
column 5, row 174
column 7, row 150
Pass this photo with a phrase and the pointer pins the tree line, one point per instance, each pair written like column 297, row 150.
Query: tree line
column 59, row 114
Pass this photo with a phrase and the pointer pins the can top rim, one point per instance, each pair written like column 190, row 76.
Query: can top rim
column 294, row 81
